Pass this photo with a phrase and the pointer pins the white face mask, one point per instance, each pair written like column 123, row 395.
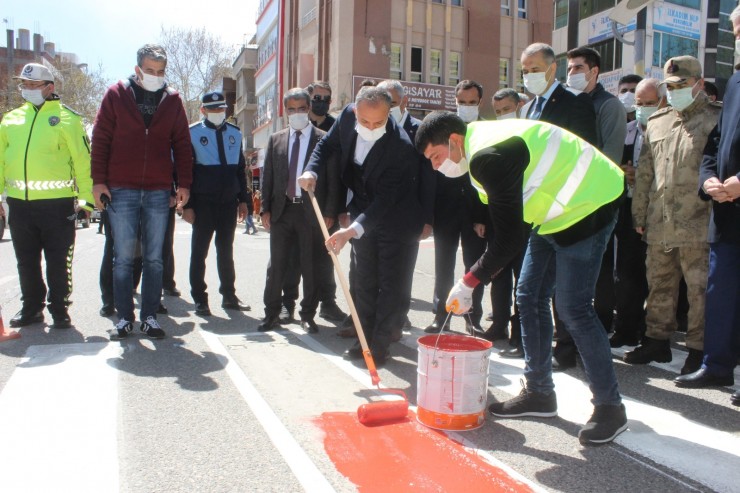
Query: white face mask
column 628, row 101
column 396, row 113
column 507, row 116
column 578, row 81
column 298, row 121
column 33, row 96
column 151, row 83
column 467, row 113
column 216, row 118
column 737, row 47
column 642, row 113
column 536, row 83
column 682, row 98
column 370, row 135
column 451, row 169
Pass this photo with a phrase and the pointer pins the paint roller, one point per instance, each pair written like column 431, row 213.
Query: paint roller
column 372, row 413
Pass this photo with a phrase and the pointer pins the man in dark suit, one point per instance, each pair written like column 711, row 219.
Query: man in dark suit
column 287, row 214
column 718, row 181
column 378, row 169
column 427, row 182
column 555, row 104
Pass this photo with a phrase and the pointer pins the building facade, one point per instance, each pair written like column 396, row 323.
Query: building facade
column 669, row 28
column 429, row 45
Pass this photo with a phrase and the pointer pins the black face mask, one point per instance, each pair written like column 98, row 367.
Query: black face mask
column 319, row 108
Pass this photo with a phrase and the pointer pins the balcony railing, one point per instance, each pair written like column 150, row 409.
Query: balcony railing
column 308, row 17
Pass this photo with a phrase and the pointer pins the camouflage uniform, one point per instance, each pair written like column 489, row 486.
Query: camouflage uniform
column 675, row 219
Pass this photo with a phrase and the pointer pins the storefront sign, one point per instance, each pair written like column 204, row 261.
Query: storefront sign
column 600, row 27
column 425, row 97
column 681, row 21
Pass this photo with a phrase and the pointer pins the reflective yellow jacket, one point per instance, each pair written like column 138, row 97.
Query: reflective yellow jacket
column 44, row 153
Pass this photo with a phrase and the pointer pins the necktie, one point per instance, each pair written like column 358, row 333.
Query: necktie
column 539, row 103
column 293, row 165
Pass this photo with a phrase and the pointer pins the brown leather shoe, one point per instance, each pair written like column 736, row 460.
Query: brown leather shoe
column 349, row 333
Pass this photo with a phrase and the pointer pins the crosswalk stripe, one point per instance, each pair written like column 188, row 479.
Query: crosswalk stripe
column 58, row 421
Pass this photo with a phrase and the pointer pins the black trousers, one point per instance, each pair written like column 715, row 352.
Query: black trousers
column 379, row 270
column 43, row 226
column 291, row 229
column 219, row 218
column 106, row 265
column 630, row 282
column 447, row 236
column 168, row 254
column 409, row 264
column 325, row 284
column 503, row 292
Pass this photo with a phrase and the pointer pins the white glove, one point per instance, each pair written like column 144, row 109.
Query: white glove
column 460, row 298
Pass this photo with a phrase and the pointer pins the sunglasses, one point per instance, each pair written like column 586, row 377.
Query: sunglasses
column 321, row 99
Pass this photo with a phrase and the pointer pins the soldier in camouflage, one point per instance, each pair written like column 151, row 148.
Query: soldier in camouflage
column 671, row 217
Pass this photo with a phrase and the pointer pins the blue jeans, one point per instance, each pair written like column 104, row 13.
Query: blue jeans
column 722, row 309
column 574, row 269
column 129, row 211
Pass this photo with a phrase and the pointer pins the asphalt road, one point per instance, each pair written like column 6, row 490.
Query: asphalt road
column 219, row 407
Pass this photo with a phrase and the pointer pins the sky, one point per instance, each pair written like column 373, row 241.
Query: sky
column 109, row 33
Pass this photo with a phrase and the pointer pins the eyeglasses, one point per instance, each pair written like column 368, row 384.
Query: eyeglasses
column 34, row 85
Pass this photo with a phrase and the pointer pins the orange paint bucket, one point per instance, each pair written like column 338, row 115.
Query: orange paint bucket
column 452, row 381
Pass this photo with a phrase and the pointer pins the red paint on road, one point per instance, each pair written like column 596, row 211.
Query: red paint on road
column 407, row 456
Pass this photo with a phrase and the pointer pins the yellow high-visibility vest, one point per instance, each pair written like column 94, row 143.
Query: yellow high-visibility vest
column 566, row 178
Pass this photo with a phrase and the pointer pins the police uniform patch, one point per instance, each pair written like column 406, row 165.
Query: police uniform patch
column 232, row 140
column 53, row 120
column 204, row 141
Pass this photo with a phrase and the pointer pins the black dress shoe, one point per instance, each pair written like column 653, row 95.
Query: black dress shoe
column 512, row 353
column 563, row 363
column 436, row 327
column 234, row 303
column 61, row 321
column 107, row 311
column 172, row 292
column 203, row 309
column 310, row 326
column 620, row 339
column 693, row 362
column 353, row 353
column 22, row 319
column 286, row 315
column 735, row 398
column 702, row 378
column 331, row 312
column 162, row 310
column 269, row 323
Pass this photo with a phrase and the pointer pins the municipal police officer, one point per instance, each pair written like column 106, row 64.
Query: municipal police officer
column 219, row 190
column 44, row 166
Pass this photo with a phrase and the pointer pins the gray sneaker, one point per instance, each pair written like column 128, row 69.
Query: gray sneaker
column 527, row 403
column 605, row 424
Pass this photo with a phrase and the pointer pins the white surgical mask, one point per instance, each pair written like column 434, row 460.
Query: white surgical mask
column 628, row 101
column 33, row 96
column 642, row 113
column 536, row 83
column 370, row 135
column 467, row 113
column 396, row 113
column 507, row 116
column 577, row 81
column 737, row 47
column 451, row 169
column 682, row 98
column 298, row 121
column 216, row 118
column 151, row 83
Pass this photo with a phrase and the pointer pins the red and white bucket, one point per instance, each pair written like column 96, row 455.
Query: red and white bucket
column 452, row 381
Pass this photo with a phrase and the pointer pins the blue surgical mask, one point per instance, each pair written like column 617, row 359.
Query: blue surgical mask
column 642, row 113
column 682, row 98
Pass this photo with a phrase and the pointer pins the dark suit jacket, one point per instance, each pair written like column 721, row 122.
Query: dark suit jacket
column 722, row 160
column 275, row 177
column 568, row 111
column 427, row 178
column 390, row 177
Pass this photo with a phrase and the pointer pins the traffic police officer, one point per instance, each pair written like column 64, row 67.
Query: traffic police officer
column 219, row 189
column 44, row 166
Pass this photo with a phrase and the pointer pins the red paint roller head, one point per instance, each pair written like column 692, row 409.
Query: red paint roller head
column 378, row 413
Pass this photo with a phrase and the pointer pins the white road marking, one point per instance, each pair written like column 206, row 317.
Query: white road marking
column 59, row 420
column 5, row 279
column 299, row 462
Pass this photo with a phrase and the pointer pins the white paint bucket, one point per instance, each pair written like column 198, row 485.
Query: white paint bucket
column 452, row 381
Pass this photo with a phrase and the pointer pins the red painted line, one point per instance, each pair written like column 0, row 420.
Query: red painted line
column 407, row 456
